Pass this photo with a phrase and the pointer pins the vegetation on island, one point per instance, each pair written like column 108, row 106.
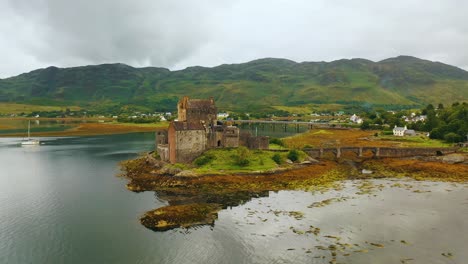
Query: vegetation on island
column 195, row 200
column 221, row 178
column 241, row 159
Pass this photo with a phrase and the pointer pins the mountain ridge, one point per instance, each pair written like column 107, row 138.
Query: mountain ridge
column 257, row 84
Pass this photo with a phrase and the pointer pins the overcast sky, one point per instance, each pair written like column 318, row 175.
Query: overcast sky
column 176, row 34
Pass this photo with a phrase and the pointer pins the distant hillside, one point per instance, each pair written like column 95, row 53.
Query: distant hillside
column 258, row 84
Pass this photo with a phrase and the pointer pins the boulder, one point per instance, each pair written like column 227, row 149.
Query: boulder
column 453, row 158
column 170, row 170
column 186, row 173
column 312, row 160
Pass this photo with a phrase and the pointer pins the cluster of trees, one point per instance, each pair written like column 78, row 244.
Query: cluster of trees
column 449, row 124
column 376, row 119
column 57, row 113
column 139, row 119
column 446, row 123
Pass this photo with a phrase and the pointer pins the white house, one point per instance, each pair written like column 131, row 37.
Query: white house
column 222, row 115
column 356, row 119
column 399, row 131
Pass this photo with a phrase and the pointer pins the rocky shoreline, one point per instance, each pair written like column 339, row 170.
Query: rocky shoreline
column 196, row 199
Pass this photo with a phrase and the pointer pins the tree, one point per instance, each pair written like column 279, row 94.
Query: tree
column 431, row 121
column 452, row 137
column 293, row 155
column 242, row 156
column 365, row 125
column 277, row 158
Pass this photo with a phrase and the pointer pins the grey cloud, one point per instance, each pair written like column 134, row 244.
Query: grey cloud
column 177, row 34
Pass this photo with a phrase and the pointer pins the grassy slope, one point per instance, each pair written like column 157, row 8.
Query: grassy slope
column 13, row 108
column 255, row 85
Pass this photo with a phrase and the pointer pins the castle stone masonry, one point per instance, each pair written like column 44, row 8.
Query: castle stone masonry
column 197, row 130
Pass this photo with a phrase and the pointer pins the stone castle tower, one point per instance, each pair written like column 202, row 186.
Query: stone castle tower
column 195, row 131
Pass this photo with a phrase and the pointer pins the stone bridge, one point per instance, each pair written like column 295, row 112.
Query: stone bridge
column 382, row 152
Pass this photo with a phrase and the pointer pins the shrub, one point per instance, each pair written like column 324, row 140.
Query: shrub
column 204, row 159
column 242, row 156
column 277, row 158
column 293, row 155
column 277, row 141
column 365, row 125
column 452, row 137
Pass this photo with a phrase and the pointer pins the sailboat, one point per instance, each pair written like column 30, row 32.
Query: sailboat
column 30, row 141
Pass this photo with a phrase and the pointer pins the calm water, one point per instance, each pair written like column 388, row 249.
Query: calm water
column 61, row 203
column 9, row 126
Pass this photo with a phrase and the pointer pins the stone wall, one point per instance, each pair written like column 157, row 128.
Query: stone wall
column 163, row 152
column 230, row 137
column 259, row 142
column 172, row 144
column 189, row 145
column 384, row 152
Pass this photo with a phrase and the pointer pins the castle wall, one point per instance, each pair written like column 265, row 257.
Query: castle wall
column 231, row 137
column 189, row 145
column 172, row 148
column 260, row 142
column 204, row 115
column 163, row 152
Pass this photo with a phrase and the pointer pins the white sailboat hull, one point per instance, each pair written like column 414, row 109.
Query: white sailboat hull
column 31, row 142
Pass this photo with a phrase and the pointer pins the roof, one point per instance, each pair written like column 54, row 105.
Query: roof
column 399, row 128
column 183, row 125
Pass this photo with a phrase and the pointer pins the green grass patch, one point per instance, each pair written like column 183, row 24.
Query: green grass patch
column 277, row 147
column 416, row 141
column 162, row 124
column 235, row 160
column 13, row 108
column 219, row 161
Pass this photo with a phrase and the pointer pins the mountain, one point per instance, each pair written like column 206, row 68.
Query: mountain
column 255, row 85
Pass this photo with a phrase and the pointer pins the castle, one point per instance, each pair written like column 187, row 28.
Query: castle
column 197, row 130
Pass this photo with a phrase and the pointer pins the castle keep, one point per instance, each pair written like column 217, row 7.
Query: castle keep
column 197, row 130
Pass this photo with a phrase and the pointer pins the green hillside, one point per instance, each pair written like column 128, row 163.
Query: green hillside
column 255, row 85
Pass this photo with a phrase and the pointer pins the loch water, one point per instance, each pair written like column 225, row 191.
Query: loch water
column 61, row 202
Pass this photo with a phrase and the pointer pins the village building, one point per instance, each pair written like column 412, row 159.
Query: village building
column 399, row 131
column 410, row 132
column 356, row 119
column 197, row 130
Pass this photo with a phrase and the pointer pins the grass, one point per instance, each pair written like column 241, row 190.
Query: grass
column 357, row 137
column 162, row 124
column 224, row 160
column 277, row 147
column 305, row 109
column 79, row 129
column 415, row 141
column 13, row 108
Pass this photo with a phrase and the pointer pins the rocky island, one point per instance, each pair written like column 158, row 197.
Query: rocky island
column 202, row 166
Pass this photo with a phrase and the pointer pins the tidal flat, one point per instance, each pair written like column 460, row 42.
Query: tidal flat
column 202, row 196
column 406, row 211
